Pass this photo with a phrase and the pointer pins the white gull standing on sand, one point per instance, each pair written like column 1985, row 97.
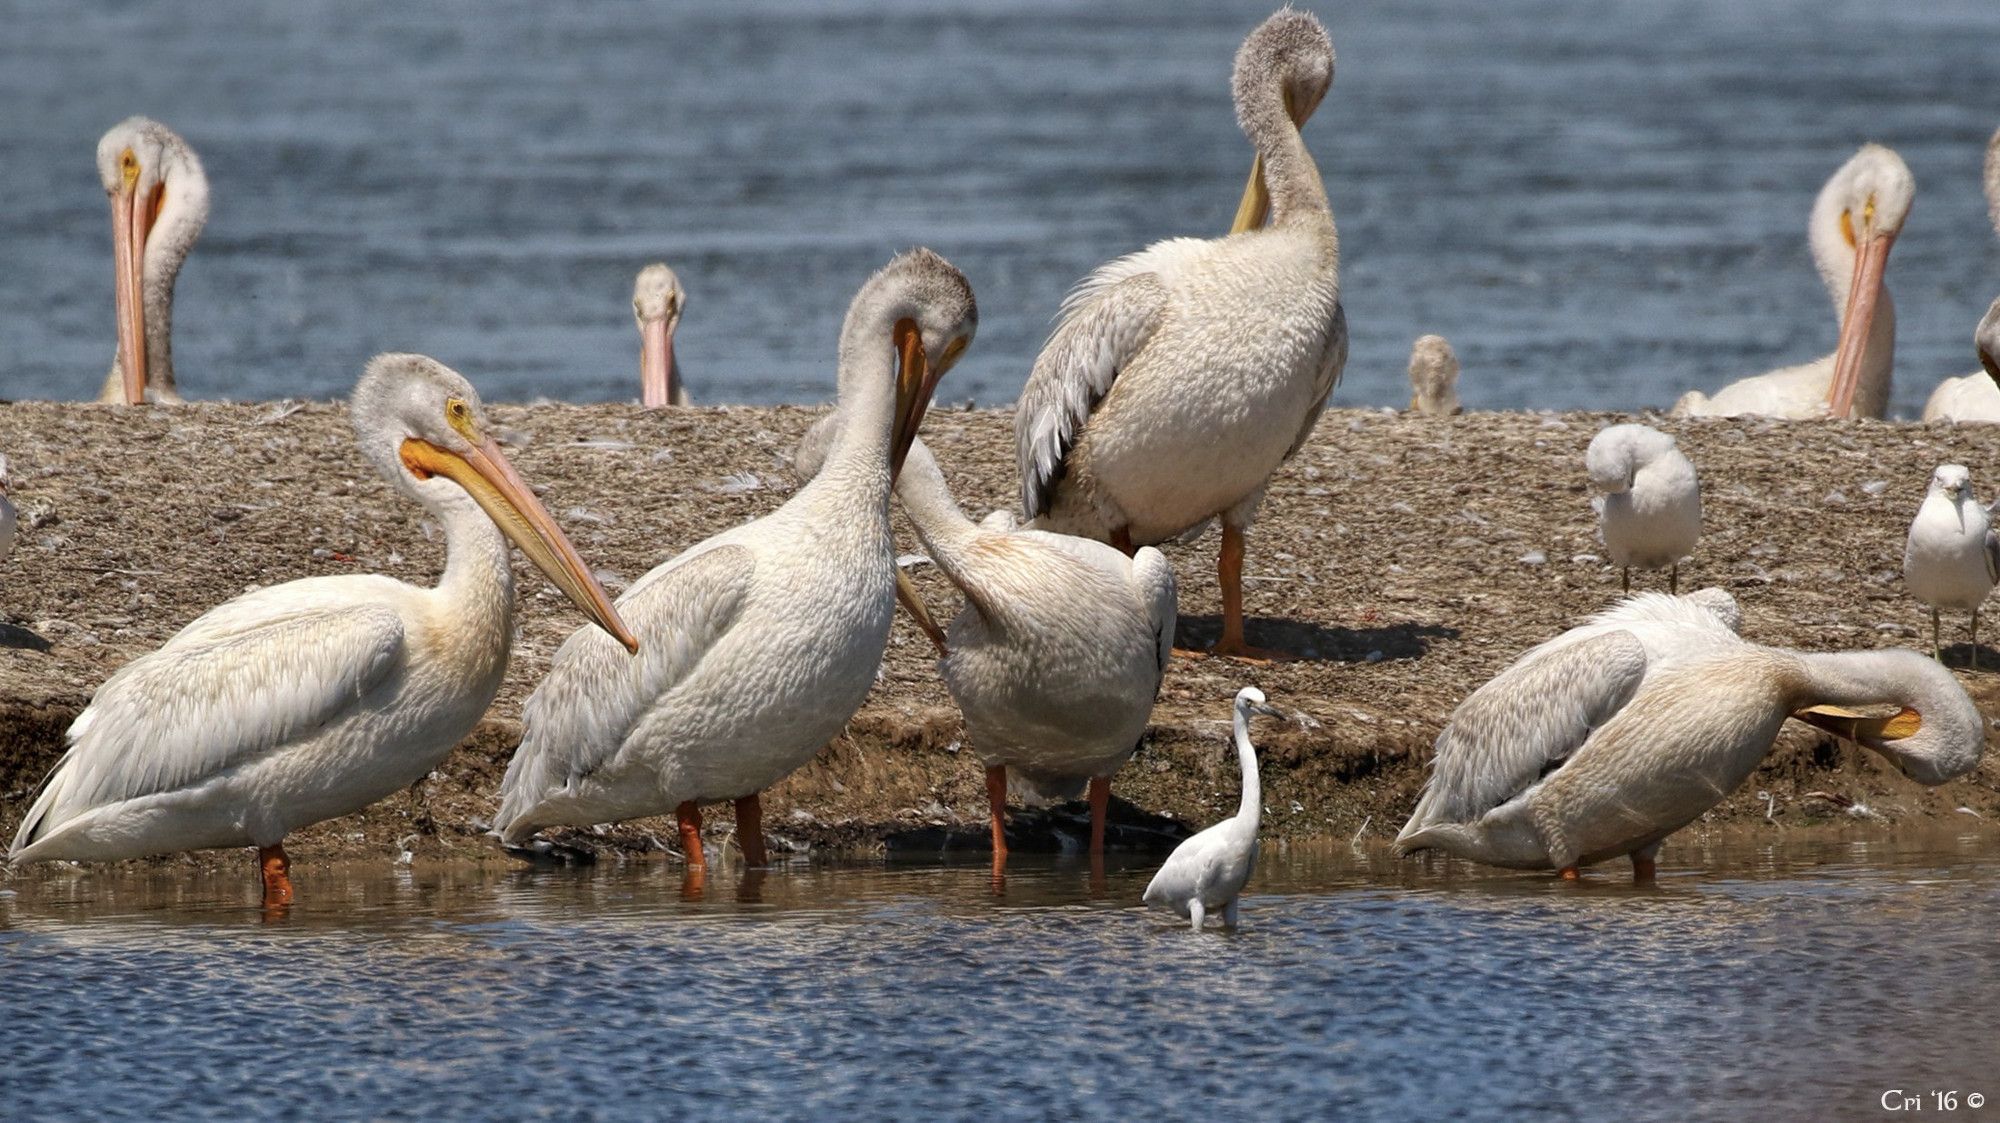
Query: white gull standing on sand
column 1952, row 559
column 1433, row 377
column 1208, row 872
column 1649, row 510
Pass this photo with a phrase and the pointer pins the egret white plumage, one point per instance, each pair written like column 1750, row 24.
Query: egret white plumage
column 1208, row 872
column 1649, row 502
column 1854, row 222
column 1976, row 396
column 159, row 203
column 657, row 300
column 314, row 698
column 1179, row 378
column 1433, row 377
column 1058, row 653
column 757, row 645
column 1608, row 742
column 1952, row 557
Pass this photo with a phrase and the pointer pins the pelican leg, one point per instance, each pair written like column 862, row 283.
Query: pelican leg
column 277, row 869
column 1975, row 639
column 1627, row 578
column 1937, row 650
column 1229, row 914
column 750, row 829
column 1100, row 807
column 689, row 814
column 1197, row 913
column 1674, row 579
column 1644, row 869
column 1569, row 873
column 1229, row 573
column 996, row 805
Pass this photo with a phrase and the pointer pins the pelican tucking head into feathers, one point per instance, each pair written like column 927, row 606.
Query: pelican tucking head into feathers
column 311, row 699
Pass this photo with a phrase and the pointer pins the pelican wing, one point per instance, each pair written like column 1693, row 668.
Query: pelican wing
column 1325, row 378
column 596, row 693
column 1103, row 324
column 234, row 686
column 1524, row 724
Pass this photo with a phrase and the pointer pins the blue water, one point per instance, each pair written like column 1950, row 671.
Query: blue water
column 1600, row 205
column 1773, row 975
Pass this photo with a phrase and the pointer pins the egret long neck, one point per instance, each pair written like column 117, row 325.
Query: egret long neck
column 1290, row 174
column 1251, row 807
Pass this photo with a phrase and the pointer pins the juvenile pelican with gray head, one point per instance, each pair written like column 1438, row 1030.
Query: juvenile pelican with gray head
column 657, row 300
column 1855, row 221
column 1179, row 378
column 1976, row 397
column 1057, row 656
column 311, row 699
column 757, row 645
column 159, row 202
column 1615, row 736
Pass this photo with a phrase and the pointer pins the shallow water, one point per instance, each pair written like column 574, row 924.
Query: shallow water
column 1600, row 205
column 1803, row 974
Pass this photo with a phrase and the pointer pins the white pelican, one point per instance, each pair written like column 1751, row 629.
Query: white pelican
column 159, row 201
column 1976, row 397
column 1208, row 872
column 1854, row 222
column 1177, row 379
column 1606, row 745
column 1649, row 505
column 657, row 300
column 303, row 701
column 757, row 645
column 1056, row 657
column 6, row 514
column 1433, row 377
column 1952, row 559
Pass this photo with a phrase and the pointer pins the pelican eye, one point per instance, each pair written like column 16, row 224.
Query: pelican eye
column 458, row 415
column 952, row 351
column 128, row 167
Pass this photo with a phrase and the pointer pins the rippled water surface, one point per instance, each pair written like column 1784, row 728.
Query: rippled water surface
column 1799, row 975
column 1600, row 204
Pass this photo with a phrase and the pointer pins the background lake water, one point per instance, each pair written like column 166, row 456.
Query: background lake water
column 1600, row 204
column 1770, row 975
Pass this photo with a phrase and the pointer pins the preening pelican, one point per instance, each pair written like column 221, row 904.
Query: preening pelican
column 159, row 201
column 1952, row 559
column 1433, row 377
column 1854, row 222
column 1649, row 504
column 757, row 645
column 1056, row 657
column 1976, row 397
column 1607, row 744
column 657, row 300
column 314, row 698
column 1208, row 871
column 1177, row 379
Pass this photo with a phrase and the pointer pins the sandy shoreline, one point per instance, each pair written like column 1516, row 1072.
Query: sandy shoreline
column 1411, row 557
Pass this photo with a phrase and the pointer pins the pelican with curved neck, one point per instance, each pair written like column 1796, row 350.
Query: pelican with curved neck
column 159, row 202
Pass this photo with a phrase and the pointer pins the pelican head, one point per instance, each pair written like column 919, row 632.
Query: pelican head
column 1987, row 340
column 1937, row 733
column 925, row 307
column 657, row 300
column 422, row 425
column 1285, row 64
column 1952, row 480
column 159, row 202
column 1867, row 201
column 1433, row 376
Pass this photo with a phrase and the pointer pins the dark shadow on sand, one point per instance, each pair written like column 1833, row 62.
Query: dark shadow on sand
column 1318, row 642
column 13, row 635
column 1063, row 828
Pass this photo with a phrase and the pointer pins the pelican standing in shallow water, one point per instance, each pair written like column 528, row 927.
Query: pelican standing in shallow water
column 159, row 202
column 1208, row 872
column 1976, row 397
column 1952, row 558
column 315, row 698
column 1855, row 220
column 657, row 300
column 1649, row 504
column 1604, row 745
column 1057, row 656
column 1179, row 378
column 757, row 645
column 1433, row 377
